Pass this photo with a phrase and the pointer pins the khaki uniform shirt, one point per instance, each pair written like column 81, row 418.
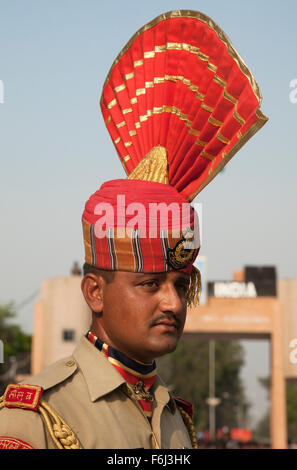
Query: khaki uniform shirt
column 92, row 398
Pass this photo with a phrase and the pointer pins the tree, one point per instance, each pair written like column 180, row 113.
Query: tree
column 291, row 404
column 186, row 372
column 291, row 393
column 16, row 344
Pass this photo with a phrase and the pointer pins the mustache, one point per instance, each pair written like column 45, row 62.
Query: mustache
column 171, row 317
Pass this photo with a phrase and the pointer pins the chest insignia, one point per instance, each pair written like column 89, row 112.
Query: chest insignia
column 141, row 393
column 13, row 443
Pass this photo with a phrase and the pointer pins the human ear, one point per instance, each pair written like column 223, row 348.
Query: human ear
column 92, row 286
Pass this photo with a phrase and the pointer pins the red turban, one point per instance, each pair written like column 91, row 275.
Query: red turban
column 178, row 102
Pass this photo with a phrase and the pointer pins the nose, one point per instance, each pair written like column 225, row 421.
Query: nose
column 170, row 300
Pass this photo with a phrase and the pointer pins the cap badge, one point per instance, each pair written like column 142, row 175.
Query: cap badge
column 181, row 255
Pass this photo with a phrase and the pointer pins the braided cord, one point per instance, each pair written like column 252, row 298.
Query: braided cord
column 64, row 437
column 190, row 427
column 61, row 433
column 195, row 288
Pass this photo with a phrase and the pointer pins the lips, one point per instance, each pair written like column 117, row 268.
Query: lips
column 169, row 324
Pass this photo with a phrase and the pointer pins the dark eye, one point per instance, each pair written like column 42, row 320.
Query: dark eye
column 150, row 283
column 183, row 288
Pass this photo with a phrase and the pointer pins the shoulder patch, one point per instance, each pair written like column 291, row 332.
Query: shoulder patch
column 22, row 396
column 13, row 443
column 187, row 406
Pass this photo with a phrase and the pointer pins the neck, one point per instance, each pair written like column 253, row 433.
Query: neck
column 114, row 354
column 102, row 335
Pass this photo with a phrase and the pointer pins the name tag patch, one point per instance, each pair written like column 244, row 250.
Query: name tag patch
column 23, row 396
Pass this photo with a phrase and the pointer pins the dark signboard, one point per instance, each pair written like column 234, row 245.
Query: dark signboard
column 264, row 278
column 260, row 281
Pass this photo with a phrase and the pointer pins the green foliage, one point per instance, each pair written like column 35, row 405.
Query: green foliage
column 15, row 341
column 262, row 430
column 291, row 392
column 263, row 427
column 186, row 372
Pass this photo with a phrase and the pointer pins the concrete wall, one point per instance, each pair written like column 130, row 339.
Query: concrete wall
column 287, row 294
column 61, row 307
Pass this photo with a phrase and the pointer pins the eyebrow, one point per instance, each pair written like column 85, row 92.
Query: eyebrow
column 181, row 277
column 184, row 280
column 142, row 275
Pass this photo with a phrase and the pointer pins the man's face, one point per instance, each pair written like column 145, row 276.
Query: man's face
column 144, row 314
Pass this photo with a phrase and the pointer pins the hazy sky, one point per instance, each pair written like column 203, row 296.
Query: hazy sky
column 55, row 150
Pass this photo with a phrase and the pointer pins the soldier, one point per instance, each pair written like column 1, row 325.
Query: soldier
column 178, row 103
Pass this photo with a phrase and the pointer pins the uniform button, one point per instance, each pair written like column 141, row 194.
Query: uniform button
column 70, row 363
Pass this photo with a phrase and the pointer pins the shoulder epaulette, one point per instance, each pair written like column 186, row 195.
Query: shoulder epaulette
column 186, row 410
column 29, row 397
column 187, row 406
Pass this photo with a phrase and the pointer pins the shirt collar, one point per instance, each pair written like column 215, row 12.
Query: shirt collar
column 162, row 394
column 120, row 360
column 100, row 376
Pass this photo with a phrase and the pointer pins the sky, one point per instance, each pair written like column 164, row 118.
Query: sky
column 55, row 150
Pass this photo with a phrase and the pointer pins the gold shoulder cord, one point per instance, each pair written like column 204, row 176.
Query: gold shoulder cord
column 60, row 432
column 190, row 427
column 64, row 437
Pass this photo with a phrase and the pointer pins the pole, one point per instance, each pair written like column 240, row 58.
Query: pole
column 212, row 391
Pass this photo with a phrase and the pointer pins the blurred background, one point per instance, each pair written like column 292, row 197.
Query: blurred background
column 237, row 355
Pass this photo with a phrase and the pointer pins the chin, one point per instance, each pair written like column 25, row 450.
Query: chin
column 165, row 347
